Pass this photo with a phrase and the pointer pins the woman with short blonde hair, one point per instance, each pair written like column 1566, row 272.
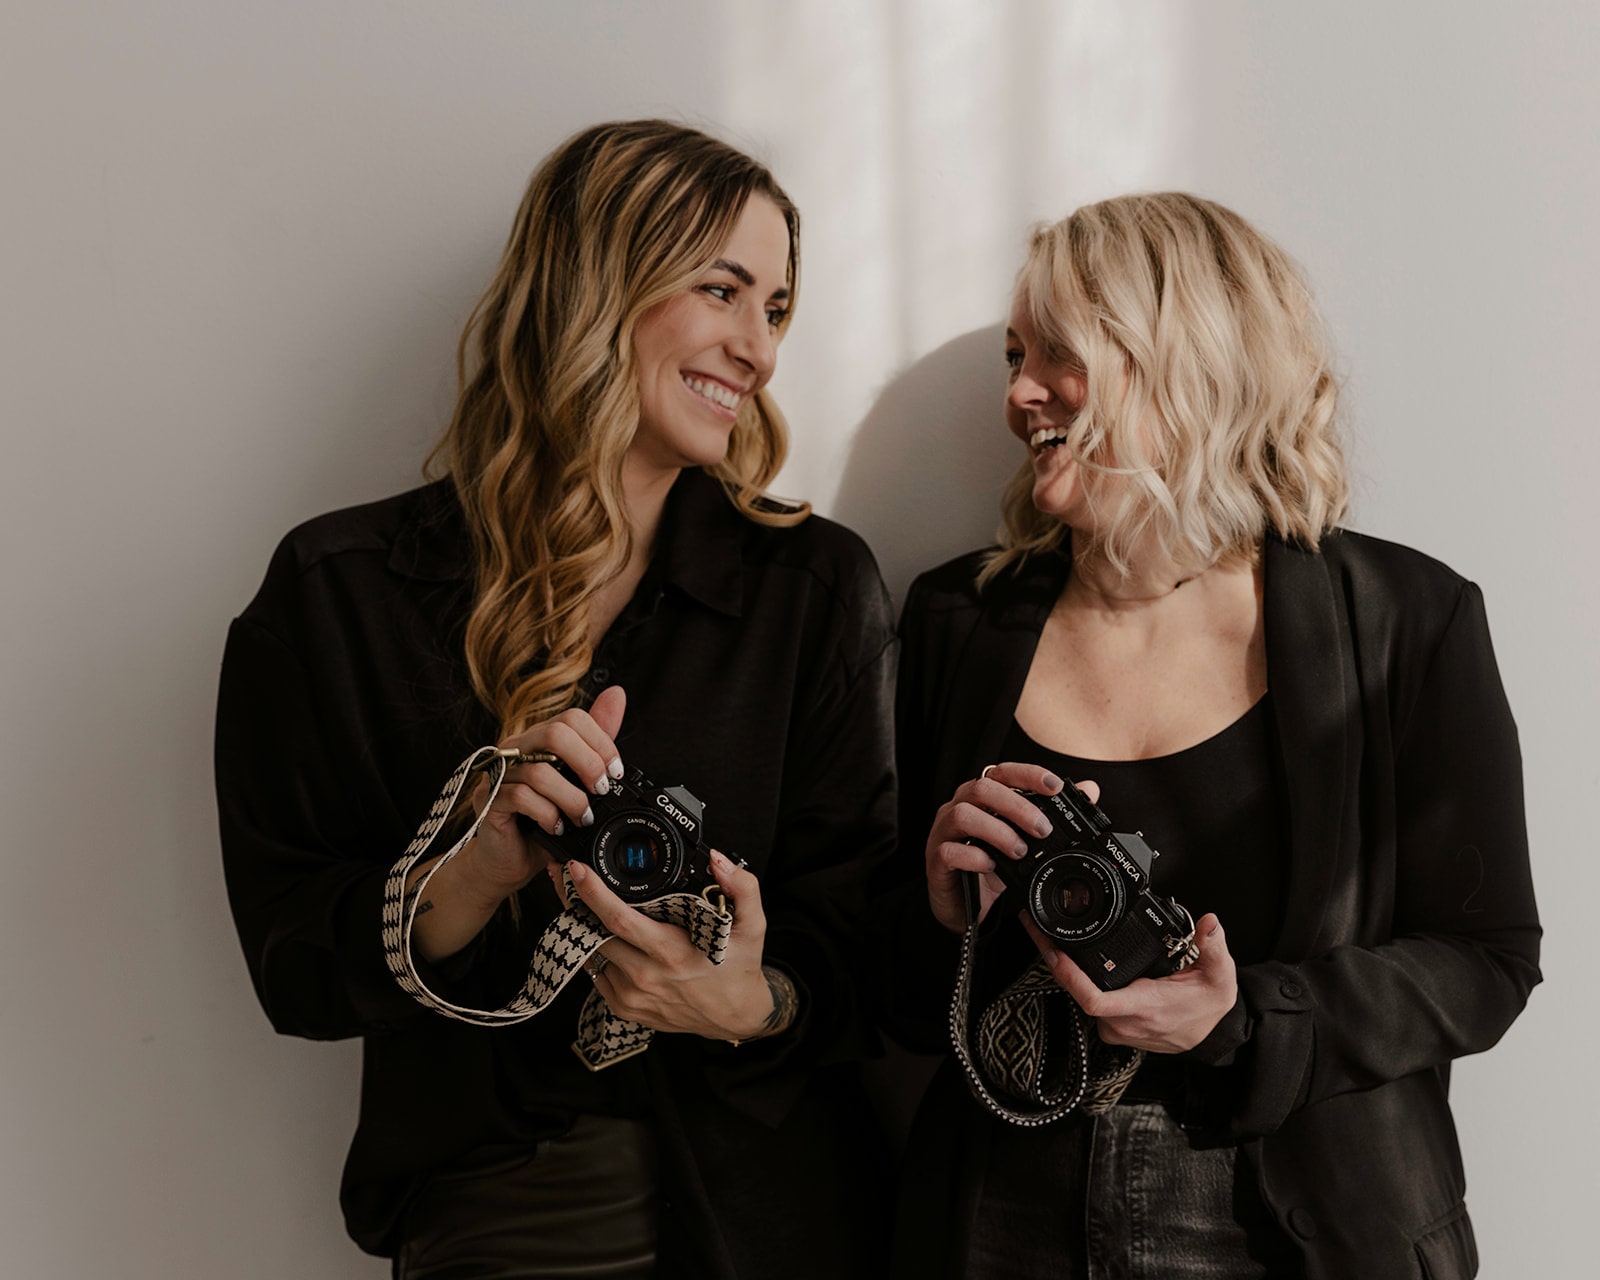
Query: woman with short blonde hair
column 1205, row 360
column 1207, row 1026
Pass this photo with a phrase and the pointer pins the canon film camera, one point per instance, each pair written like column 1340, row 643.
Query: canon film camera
column 1088, row 887
column 645, row 842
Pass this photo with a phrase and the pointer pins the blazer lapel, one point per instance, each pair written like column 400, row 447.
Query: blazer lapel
column 994, row 666
column 1310, row 670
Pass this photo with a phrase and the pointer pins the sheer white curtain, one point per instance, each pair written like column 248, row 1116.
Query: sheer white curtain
column 920, row 140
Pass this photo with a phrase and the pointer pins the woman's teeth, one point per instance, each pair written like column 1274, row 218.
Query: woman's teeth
column 1045, row 437
column 713, row 391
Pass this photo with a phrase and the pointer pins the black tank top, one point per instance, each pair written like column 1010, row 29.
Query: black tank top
column 1210, row 811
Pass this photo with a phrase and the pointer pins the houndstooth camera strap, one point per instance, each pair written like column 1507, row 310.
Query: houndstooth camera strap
column 562, row 950
column 1012, row 1066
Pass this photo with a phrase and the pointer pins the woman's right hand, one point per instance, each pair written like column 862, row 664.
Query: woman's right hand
column 505, row 854
column 991, row 810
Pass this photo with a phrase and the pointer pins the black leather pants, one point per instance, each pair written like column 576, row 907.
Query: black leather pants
column 581, row 1205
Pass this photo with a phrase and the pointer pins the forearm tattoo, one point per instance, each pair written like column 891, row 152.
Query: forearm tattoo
column 785, row 1001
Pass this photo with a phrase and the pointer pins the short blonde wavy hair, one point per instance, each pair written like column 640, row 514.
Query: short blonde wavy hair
column 619, row 218
column 1211, row 400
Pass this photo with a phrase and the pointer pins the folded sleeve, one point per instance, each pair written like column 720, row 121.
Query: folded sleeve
column 304, row 882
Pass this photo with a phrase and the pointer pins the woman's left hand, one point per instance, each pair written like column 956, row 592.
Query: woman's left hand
column 656, row 977
column 1159, row 1015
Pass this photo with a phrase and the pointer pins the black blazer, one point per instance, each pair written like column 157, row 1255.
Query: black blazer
column 1409, row 935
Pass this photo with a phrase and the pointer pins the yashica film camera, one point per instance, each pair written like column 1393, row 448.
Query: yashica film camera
column 645, row 841
column 1088, row 887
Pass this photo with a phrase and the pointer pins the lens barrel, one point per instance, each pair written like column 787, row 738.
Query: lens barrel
column 638, row 855
column 1076, row 896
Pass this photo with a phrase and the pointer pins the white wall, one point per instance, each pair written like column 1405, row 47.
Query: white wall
column 237, row 242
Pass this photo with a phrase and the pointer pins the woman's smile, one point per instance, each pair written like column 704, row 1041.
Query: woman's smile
column 717, row 394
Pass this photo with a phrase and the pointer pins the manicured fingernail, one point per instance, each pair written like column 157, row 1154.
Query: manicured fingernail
column 1020, row 849
column 588, row 818
column 559, row 827
column 615, row 768
column 602, row 785
column 1042, row 827
column 720, row 861
column 578, row 871
column 1053, row 782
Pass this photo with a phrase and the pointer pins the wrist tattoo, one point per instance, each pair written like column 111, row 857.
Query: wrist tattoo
column 423, row 908
column 785, row 1001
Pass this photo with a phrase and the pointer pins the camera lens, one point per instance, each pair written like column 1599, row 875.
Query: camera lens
column 1076, row 896
column 637, row 855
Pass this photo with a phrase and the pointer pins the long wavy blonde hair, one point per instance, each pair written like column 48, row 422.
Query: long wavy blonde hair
column 1211, row 414
column 619, row 218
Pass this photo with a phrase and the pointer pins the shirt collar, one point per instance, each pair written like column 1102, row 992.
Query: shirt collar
column 700, row 548
column 432, row 543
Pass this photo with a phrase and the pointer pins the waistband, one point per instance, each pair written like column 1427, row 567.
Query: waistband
column 1191, row 1093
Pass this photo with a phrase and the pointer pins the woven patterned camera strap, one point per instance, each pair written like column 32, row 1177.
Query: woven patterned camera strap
column 1009, row 1063
column 567, row 942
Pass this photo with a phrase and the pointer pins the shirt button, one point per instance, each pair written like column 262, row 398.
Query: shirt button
column 600, row 675
column 1302, row 1223
column 1291, row 990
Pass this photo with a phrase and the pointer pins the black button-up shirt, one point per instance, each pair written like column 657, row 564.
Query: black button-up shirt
column 758, row 664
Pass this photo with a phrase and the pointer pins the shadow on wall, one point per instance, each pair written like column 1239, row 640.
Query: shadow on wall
column 922, row 484
column 931, row 459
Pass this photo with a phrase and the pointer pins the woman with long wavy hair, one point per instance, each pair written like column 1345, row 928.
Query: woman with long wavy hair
column 1296, row 732
column 599, row 586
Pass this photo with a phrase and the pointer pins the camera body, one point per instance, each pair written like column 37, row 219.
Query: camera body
column 646, row 840
column 1088, row 888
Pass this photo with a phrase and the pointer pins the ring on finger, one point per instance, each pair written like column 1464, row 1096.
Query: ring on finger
column 513, row 757
column 597, row 966
column 987, row 769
